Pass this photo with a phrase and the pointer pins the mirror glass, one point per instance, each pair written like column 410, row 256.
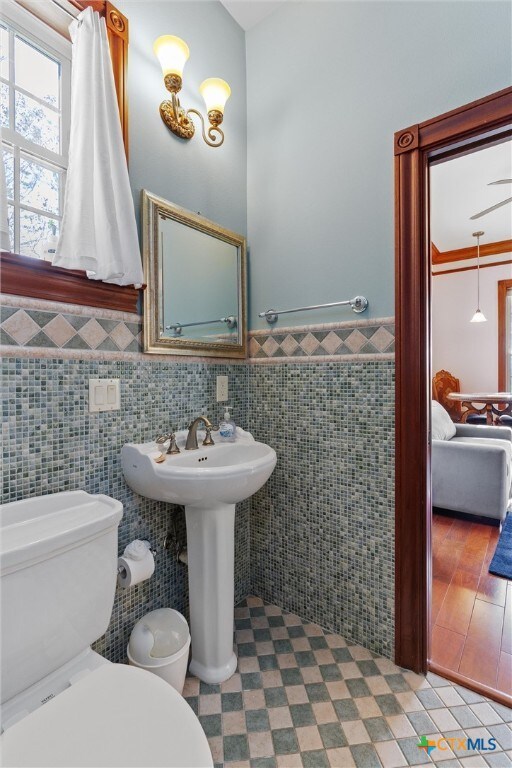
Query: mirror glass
column 195, row 273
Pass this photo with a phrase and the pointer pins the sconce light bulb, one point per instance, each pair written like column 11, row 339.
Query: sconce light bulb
column 215, row 93
column 172, row 53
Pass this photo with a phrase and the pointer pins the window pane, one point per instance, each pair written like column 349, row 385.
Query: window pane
column 34, row 230
column 4, row 105
column 35, row 72
column 4, row 52
column 8, row 158
column 37, row 123
column 39, row 186
column 10, row 216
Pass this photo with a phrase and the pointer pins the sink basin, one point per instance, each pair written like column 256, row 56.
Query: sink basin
column 209, row 482
column 224, row 472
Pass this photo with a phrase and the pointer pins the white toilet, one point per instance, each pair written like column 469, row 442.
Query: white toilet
column 62, row 703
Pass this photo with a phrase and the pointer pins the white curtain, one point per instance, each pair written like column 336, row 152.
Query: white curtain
column 5, row 243
column 99, row 233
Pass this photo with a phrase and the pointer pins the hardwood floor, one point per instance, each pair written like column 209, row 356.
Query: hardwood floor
column 471, row 618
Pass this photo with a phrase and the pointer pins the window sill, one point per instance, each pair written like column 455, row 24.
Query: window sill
column 25, row 276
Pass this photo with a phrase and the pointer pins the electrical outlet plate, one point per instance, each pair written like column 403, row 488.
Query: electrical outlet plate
column 222, row 389
column 104, row 395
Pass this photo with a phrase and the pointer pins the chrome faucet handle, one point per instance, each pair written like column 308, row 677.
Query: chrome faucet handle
column 173, row 447
column 162, row 439
column 208, row 440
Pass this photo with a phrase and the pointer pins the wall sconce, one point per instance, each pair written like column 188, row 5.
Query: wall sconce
column 479, row 316
column 173, row 53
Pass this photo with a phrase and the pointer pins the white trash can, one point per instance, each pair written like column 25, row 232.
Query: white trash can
column 159, row 642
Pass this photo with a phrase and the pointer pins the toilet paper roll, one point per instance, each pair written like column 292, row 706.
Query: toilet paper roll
column 131, row 572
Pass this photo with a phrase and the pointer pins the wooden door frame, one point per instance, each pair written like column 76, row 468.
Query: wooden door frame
column 504, row 286
column 414, row 147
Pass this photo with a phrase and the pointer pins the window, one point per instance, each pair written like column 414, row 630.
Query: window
column 35, row 63
column 508, row 340
column 505, row 335
column 35, row 101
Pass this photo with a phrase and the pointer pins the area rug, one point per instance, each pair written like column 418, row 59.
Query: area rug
column 501, row 563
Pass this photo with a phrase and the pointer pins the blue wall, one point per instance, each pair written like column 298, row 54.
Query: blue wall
column 197, row 177
column 328, row 85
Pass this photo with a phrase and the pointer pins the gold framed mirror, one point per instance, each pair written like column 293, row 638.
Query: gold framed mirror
column 195, row 270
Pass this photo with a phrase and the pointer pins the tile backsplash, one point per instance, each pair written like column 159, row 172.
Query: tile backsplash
column 317, row 539
column 52, row 443
column 322, row 528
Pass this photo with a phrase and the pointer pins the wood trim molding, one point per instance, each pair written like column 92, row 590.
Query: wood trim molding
column 413, row 374
column 412, row 459
column 406, row 140
column 25, row 276
column 486, row 249
column 467, row 269
column 66, row 285
column 466, row 682
column 504, row 286
column 118, row 38
column 471, row 120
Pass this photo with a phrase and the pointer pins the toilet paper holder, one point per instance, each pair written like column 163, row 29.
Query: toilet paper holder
column 121, row 570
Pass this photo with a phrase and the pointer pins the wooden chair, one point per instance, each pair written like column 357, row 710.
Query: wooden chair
column 442, row 384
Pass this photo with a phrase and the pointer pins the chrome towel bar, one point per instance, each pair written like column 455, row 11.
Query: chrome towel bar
column 358, row 304
column 176, row 327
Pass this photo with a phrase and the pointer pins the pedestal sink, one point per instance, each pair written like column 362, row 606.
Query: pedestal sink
column 209, row 482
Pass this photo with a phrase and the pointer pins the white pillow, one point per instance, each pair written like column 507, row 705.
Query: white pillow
column 443, row 427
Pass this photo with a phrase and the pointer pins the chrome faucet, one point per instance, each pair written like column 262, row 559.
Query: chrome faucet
column 191, row 444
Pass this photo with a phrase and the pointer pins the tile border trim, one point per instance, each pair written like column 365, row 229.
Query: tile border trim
column 277, row 330
column 93, row 354
column 379, row 358
column 36, row 328
column 359, row 340
column 47, row 329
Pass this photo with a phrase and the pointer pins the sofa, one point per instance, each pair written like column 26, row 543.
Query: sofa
column 471, row 466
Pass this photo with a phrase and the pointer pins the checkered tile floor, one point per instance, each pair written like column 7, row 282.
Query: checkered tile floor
column 304, row 697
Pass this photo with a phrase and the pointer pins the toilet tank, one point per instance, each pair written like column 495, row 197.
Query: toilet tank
column 58, row 562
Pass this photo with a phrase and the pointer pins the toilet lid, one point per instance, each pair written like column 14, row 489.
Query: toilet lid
column 115, row 716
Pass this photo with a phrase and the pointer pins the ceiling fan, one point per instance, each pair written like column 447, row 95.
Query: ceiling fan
column 498, row 205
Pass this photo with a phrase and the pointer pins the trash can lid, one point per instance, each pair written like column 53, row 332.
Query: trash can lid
column 157, row 635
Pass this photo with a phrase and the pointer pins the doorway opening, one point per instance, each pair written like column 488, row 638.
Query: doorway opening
column 470, row 226
column 456, row 133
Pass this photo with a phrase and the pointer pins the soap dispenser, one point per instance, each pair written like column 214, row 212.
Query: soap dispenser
column 227, row 428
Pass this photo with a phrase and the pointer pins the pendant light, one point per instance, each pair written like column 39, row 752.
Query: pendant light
column 479, row 316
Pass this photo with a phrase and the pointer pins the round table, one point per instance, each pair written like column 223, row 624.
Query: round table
column 490, row 401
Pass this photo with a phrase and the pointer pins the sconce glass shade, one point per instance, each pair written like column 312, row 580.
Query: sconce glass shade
column 215, row 93
column 478, row 317
column 172, row 53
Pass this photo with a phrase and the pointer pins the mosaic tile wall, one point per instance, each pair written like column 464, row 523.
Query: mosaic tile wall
column 52, row 443
column 322, row 529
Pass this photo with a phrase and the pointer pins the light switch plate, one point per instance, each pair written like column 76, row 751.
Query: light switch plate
column 104, row 395
column 222, row 389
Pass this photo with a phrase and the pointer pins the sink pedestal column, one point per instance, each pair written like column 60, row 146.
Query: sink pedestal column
column 211, row 576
